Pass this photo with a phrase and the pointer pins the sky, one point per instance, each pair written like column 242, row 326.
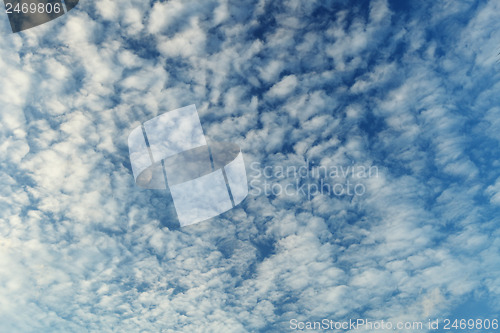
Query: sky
column 408, row 89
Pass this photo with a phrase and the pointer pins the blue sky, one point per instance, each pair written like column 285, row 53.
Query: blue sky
column 411, row 89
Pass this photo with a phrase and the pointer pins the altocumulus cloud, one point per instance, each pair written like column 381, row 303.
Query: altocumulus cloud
column 413, row 91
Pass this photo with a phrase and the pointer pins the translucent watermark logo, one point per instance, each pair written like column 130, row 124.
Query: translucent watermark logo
column 26, row 14
column 308, row 180
column 204, row 180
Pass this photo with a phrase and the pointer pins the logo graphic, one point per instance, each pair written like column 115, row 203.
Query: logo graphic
column 205, row 181
column 26, row 14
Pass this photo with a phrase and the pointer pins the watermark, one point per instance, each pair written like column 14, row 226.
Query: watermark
column 366, row 324
column 26, row 14
column 204, row 180
column 309, row 180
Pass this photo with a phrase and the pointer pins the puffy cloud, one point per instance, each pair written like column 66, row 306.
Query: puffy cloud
column 293, row 83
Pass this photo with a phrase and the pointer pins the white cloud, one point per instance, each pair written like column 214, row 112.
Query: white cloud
column 283, row 88
column 87, row 250
column 494, row 192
